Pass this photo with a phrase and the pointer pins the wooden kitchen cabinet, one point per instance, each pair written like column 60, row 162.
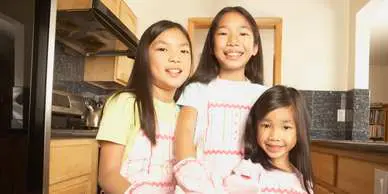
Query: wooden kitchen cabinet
column 112, row 72
column 346, row 168
column 112, row 5
column 318, row 189
column 73, row 166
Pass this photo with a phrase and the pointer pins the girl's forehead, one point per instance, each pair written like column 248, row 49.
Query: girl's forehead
column 171, row 36
column 233, row 19
column 282, row 113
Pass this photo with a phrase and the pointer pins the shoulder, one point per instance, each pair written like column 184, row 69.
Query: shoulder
column 120, row 101
column 196, row 86
column 121, row 98
column 258, row 87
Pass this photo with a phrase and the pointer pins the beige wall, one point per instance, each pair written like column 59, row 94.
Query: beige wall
column 378, row 70
column 378, row 83
column 315, row 34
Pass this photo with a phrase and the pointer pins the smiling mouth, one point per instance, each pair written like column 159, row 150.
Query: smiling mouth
column 233, row 54
column 274, row 148
column 174, row 72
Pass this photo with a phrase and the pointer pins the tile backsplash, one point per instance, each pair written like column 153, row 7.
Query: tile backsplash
column 323, row 107
column 69, row 71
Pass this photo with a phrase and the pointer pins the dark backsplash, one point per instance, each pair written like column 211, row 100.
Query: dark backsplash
column 323, row 107
column 69, row 71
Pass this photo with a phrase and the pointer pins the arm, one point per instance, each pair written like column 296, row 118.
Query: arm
column 191, row 175
column 184, row 134
column 109, row 177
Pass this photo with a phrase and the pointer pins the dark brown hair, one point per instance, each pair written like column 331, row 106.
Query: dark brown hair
column 140, row 81
column 274, row 98
column 208, row 67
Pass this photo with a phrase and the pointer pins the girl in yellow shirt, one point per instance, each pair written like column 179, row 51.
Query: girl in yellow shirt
column 137, row 128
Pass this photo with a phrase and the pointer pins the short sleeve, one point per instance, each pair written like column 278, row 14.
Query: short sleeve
column 193, row 95
column 119, row 120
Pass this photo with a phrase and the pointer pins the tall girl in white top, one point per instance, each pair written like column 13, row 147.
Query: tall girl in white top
column 216, row 102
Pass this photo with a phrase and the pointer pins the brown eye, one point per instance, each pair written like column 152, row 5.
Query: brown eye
column 161, row 49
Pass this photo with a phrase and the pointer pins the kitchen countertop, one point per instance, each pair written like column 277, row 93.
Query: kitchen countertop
column 376, row 147
column 73, row 133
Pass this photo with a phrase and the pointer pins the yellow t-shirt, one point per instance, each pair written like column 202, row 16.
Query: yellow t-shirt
column 120, row 122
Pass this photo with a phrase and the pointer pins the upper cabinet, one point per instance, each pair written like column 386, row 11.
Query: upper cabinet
column 112, row 71
column 103, row 68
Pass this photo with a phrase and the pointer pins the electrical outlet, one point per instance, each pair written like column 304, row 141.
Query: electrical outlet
column 381, row 182
column 341, row 113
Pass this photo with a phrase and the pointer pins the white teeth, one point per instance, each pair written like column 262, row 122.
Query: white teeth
column 174, row 70
column 233, row 53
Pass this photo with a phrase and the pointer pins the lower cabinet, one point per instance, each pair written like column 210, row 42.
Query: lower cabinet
column 318, row 189
column 73, row 166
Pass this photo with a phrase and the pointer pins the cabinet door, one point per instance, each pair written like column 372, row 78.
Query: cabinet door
column 73, row 166
column 77, row 185
column 127, row 17
column 123, row 69
column 318, row 189
column 113, row 6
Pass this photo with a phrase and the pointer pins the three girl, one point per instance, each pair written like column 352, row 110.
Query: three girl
column 277, row 154
column 136, row 132
column 217, row 101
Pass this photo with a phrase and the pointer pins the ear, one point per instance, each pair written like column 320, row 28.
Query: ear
column 255, row 49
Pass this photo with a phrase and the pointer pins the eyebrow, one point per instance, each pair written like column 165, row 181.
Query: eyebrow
column 244, row 27
column 283, row 121
column 164, row 42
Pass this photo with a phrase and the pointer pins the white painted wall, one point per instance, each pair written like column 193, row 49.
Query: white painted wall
column 315, row 33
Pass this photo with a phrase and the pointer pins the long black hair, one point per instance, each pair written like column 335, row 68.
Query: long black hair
column 274, row 98
column 140, row 81
column 208, row 67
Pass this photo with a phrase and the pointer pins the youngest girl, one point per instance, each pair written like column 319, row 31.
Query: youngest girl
column 277, row 154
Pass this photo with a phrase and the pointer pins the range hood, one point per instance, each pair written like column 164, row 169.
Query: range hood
column 94, row 30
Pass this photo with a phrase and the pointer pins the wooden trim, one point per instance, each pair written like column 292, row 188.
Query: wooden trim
column 363, row 156
column 329, row 187
column 275, row 23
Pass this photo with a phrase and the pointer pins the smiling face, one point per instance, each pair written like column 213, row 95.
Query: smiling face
column 170, row 60
column 276, row 134
column 233, row 44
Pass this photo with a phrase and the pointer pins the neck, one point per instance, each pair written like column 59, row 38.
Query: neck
column 162, row 94
column 233, row 75
column 283, row 164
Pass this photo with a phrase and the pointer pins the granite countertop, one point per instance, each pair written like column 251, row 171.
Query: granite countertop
column 73, row 133
column 377, row 147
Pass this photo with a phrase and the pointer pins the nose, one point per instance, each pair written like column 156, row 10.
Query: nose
column 232, row 39
column 275, row 134
column 174, row 57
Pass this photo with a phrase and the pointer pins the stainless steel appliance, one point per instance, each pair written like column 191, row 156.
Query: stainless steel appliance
column 67, row 111
column 27, row 36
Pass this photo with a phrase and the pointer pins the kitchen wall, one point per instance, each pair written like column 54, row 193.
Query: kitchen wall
column 378, row 83
column 315, row 34
column 319, row 42
column 379, row 63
